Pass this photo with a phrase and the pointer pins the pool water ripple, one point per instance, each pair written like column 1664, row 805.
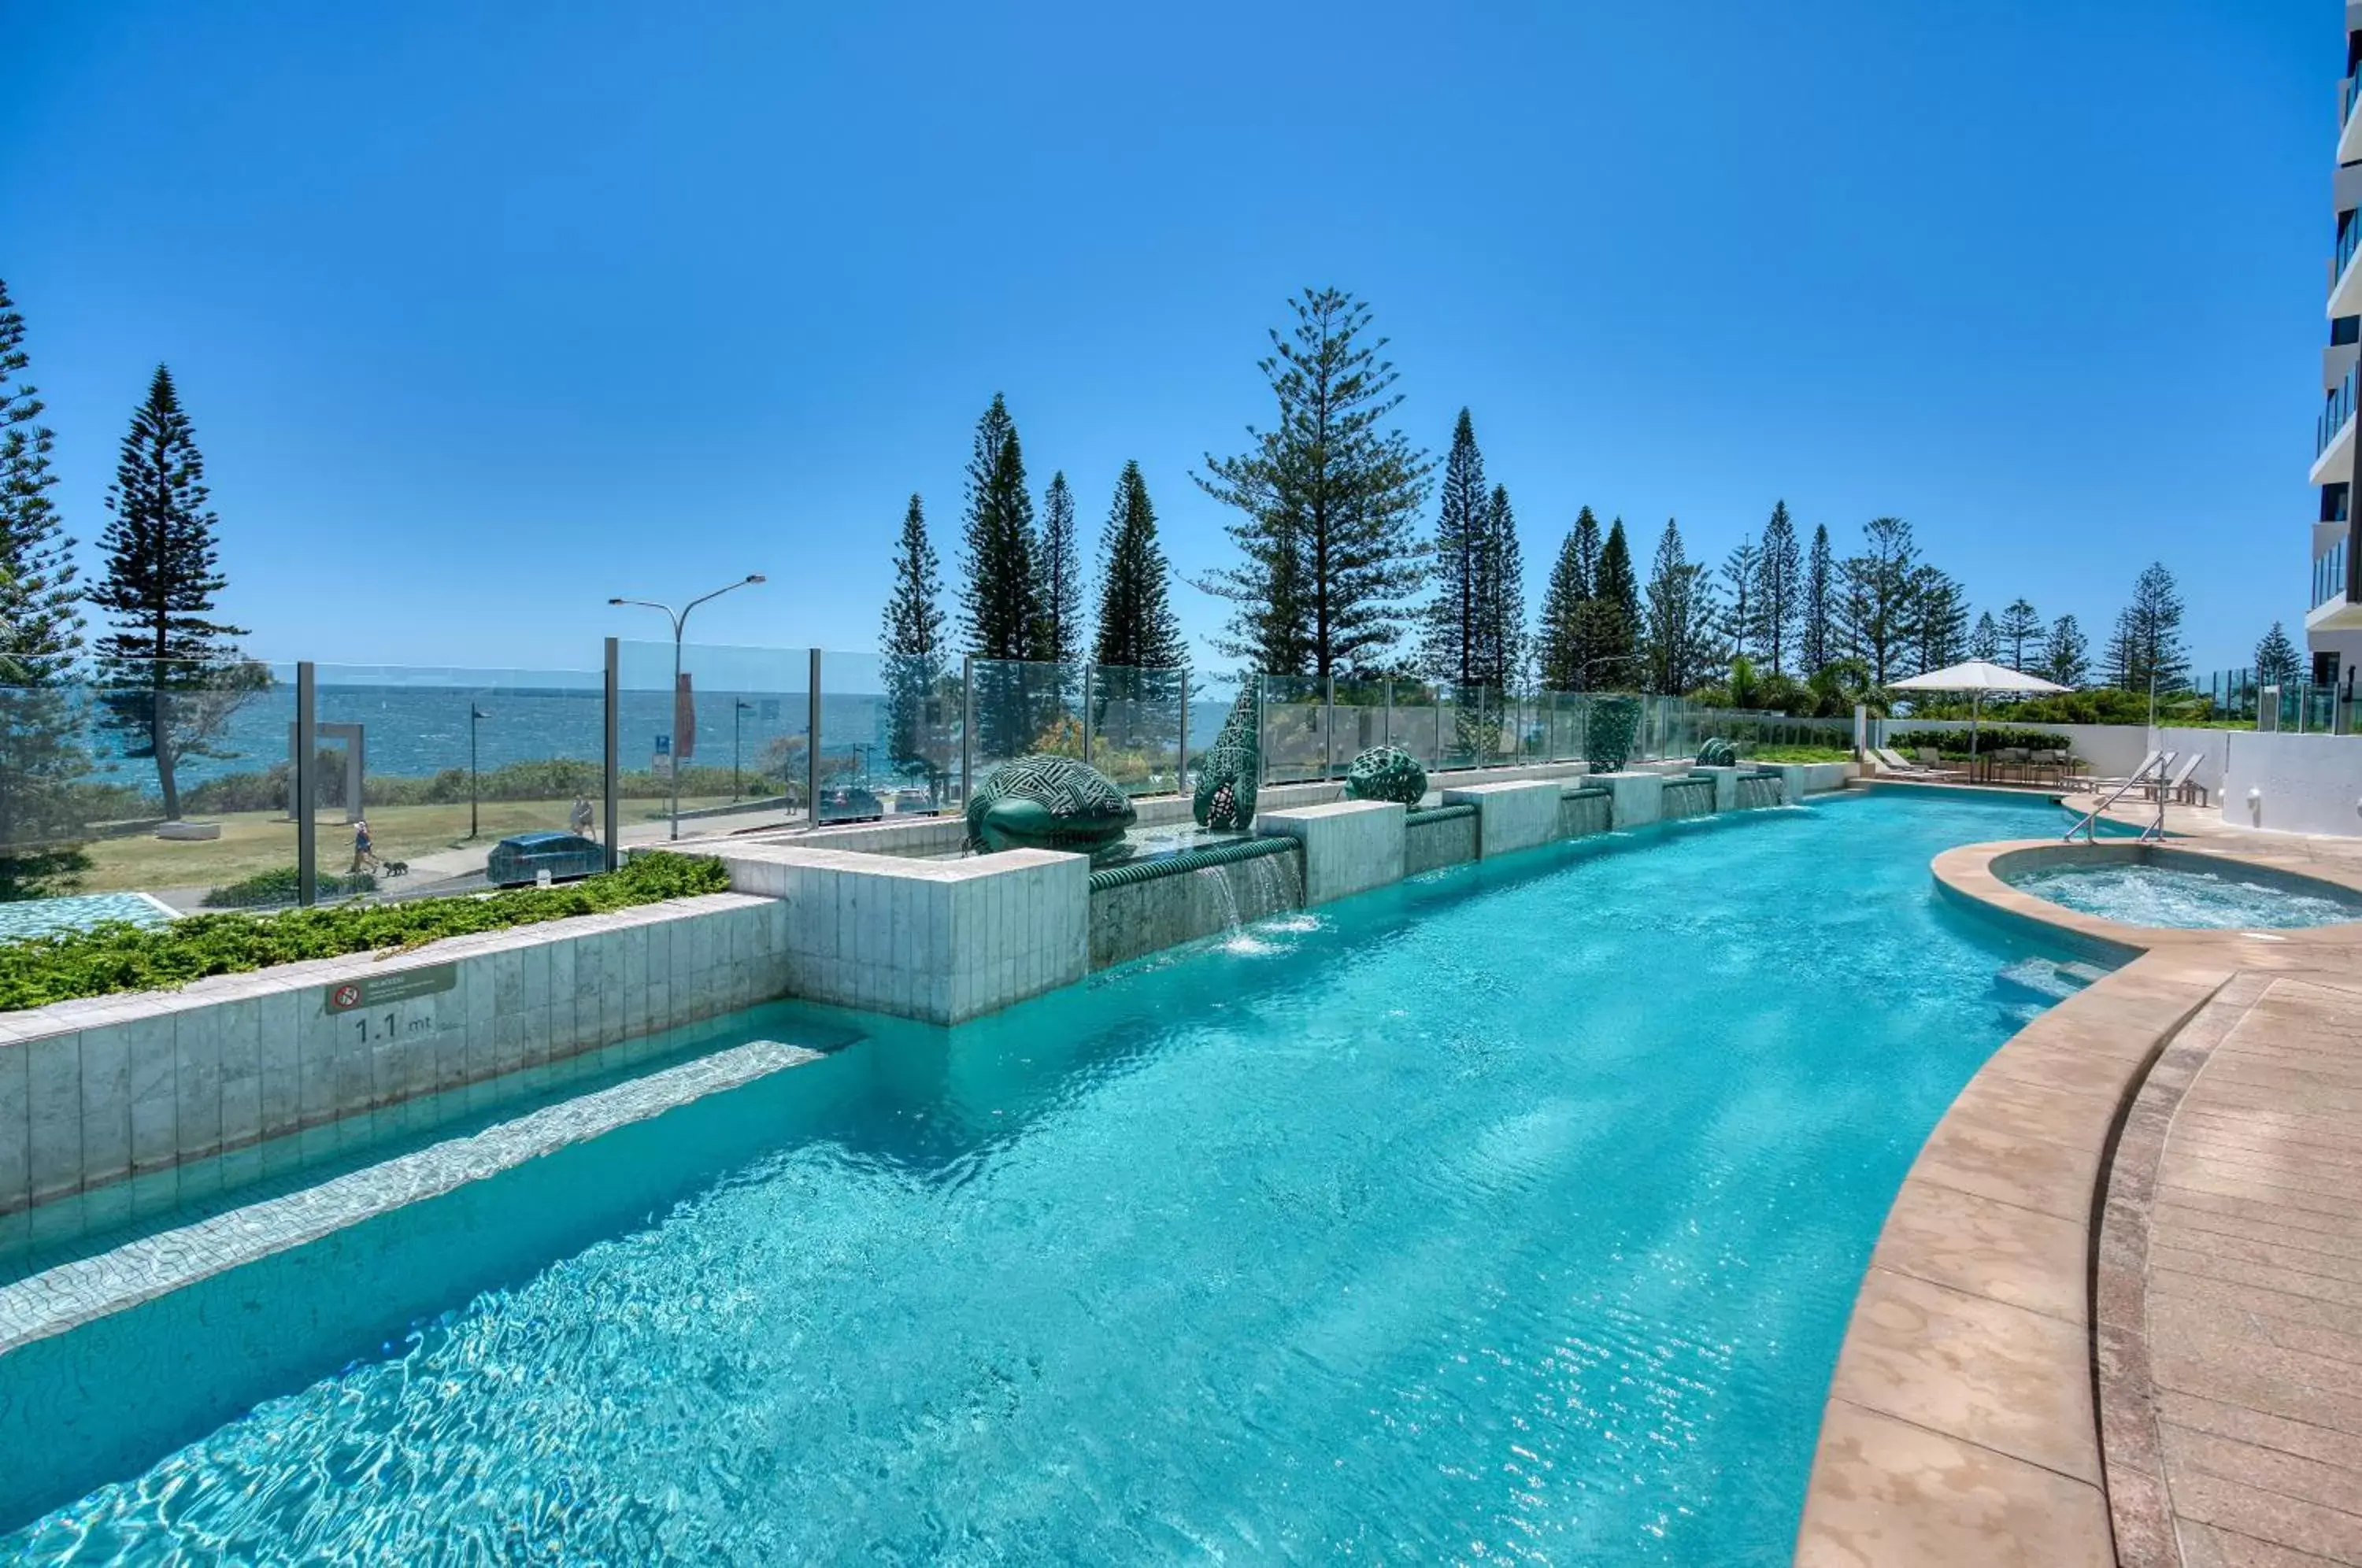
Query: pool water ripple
column 1510, row 1215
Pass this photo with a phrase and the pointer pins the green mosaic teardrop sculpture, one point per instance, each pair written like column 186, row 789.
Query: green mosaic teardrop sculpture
column 1386, row 773
column 1048, row 802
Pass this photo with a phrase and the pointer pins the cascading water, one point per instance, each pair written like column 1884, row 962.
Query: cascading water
column 1759, row 790
column 1583, row 813
column 1688, row 798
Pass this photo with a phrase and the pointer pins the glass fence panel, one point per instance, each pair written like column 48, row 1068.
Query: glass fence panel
column 1297, row 745
column 125, row 789
column 922, row 705
column 439, row 780
column 1023, row 708
column 1133, row 729
column 1418, row 720
column 722, row 747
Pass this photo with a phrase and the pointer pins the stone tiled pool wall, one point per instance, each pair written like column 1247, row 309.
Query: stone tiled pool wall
column 95, row 1091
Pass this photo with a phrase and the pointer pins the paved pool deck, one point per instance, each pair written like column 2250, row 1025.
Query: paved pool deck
column 2115, row 1313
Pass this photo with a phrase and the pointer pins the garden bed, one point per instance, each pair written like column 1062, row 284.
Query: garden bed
column 118, row 956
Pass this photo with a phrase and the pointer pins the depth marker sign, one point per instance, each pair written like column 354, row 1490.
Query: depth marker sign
column 383, row 990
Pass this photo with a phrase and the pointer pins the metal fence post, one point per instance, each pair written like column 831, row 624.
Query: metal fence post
column 1389, row 733
column 1087, row 671
column 307, row 752
column 811, row 741
column 1327, row 725
column 1181, row 763
column 1263, row 752
column 609, row 771
column 968, row 729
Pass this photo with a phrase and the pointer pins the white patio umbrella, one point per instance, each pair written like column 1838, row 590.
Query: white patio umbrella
column 1977, row 676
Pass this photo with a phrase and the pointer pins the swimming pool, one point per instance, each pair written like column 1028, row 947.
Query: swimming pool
column 2191, row 897
column 1516, row 1211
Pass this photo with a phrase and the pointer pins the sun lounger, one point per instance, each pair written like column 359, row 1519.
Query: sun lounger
column 2149, row 765
column 1895, row 765
column 2178, row 788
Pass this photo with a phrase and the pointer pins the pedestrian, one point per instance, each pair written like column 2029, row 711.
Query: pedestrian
column 580, row 816
column 364, row 851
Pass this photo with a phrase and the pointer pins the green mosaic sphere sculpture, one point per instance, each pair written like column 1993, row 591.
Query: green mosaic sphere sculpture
column 1717, row 753
column 1386, row 773
column 1048, row 802
column 1226, row 773
column 1615, row 724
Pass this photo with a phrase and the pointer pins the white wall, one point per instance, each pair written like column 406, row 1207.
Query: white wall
column 2305, row 783
column 2112, row 750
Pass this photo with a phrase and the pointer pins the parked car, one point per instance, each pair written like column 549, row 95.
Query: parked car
column 522, row 856
column 850, row 803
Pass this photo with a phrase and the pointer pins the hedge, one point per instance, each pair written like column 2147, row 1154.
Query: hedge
column 1991, row 739
column 120, row 956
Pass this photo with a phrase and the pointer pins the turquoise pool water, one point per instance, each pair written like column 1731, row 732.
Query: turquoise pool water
column 1512, row 1213
column 2181, row 897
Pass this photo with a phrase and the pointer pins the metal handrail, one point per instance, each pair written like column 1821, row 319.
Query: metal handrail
column 2084, row 824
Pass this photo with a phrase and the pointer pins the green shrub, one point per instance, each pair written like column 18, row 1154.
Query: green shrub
column 1989, row 739
column 1800, row 754
column 120, row 956
column 265, row 889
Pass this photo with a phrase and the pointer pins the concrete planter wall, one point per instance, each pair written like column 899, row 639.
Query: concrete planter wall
column 1511, row 816
column 1639, row 797
column 1350, row 846
column 1798, row 780
column 96, row 1091
column 943, row 941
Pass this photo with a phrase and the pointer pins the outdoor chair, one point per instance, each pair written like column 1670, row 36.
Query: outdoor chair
column 1932, row 761
column 2011, row 759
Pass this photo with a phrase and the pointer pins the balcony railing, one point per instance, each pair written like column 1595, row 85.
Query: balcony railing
column 2352, row 87
column 2328, row 575
column 2333, row 416
column 2346, row 239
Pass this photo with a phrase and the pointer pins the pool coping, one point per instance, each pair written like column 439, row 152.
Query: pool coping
column 1986, row 1403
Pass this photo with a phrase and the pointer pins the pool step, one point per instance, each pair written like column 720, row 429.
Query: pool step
column 2042, row 977
column 2031, row 985
column 2018, row 1014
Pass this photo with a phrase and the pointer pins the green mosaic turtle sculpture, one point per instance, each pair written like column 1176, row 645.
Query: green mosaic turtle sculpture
column 1386, row 773
column 1228, row 771
column 1048, row 802
column 1615, row 722
column 1717, row 753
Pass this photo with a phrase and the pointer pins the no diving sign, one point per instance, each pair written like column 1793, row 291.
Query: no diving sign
column 383, row 990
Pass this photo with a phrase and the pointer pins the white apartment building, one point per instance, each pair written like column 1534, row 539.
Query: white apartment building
column 2333, row 622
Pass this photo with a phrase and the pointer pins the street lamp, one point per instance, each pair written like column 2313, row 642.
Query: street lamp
column 679, row 619
column 475, row 717
column 738, row 712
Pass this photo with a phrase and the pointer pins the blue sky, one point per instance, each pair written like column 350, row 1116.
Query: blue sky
column 486, row 312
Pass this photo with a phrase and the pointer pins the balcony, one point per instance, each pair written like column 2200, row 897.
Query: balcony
column 2349, row 135
column 2345, row 277
column 2333, row 434
column 2330, row 611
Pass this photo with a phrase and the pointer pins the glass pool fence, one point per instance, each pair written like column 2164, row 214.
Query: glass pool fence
column 139, row 790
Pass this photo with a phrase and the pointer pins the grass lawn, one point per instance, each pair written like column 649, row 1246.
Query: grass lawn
column 254, row 841
column 1799, row 753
